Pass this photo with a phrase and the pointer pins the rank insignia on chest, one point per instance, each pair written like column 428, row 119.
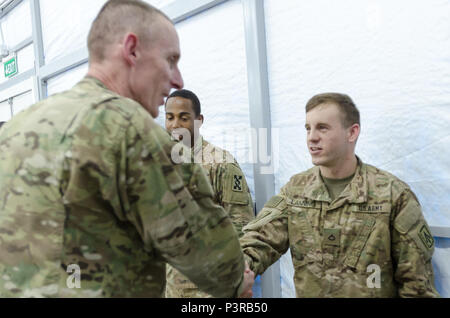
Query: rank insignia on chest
column 237, row 183
column 332, row 237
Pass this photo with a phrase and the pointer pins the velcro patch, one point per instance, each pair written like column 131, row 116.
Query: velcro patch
column 426, row 237
column 237, row 183
column 332, row 237
column 407, row 219
column 235, row 189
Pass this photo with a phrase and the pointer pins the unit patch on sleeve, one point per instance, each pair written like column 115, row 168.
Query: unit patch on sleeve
column 237, row 183
column 426, row 237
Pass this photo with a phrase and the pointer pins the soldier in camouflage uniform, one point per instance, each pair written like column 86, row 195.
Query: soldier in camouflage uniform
column 364, row 236
column 183, row 120
column 91, row 202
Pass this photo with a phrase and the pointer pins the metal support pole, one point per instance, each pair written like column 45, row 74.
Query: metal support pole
column 259, row 99
column 39, row 60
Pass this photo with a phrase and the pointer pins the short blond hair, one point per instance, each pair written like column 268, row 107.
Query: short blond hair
column 115, row 19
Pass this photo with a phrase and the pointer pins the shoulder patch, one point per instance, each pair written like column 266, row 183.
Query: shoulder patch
column 237, row 183
column 234, row 187
column 426, row 237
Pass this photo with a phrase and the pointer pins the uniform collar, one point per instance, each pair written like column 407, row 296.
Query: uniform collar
column 355, row 192
column 92, row 80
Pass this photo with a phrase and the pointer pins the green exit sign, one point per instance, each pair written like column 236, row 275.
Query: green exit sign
column 10, row 67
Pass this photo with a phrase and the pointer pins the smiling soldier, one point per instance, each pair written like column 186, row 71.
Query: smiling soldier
column 344, row 218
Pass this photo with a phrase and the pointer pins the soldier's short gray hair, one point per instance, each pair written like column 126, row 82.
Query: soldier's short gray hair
column 115, row 19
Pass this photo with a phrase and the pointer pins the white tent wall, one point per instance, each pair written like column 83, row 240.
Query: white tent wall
column 65, row 25
column 5, row 111
column 16, row 28
column 22, row 101
column 25, row 61
column 25, row 58
column 66, row 80
column 391, row 57
column 16, row 25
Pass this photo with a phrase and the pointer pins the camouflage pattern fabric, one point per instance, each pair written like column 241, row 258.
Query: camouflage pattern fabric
column 337, row 246
column 231, row 192
column 86, row 180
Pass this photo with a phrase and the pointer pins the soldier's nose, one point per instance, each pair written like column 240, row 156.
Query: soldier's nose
column 312, row 135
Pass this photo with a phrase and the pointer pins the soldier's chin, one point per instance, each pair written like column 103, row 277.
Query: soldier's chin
column 315, row 161
column 153, row 111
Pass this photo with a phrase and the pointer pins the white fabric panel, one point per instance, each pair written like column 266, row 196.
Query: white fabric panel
column 5, row 111
column 66, row 24
column 16, row 25
column 25, row 59
column 213, row 66
column 392, row 58
column 66, row 80
column 22, row 102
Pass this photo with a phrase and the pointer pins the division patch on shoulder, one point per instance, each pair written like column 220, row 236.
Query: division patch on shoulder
column 426, row 237
column 237, row 183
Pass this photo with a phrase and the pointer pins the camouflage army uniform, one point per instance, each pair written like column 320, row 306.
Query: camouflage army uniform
column 231, row 192
column 376, row 220
column 86, row 179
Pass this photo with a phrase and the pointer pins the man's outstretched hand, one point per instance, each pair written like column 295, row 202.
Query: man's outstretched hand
column 249, row 279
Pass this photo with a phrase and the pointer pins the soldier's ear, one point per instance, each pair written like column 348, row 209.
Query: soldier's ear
column 354, row 133
column 129, row 46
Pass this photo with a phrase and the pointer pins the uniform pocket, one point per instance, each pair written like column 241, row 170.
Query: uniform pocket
column 359, row 242
column 301, row 234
